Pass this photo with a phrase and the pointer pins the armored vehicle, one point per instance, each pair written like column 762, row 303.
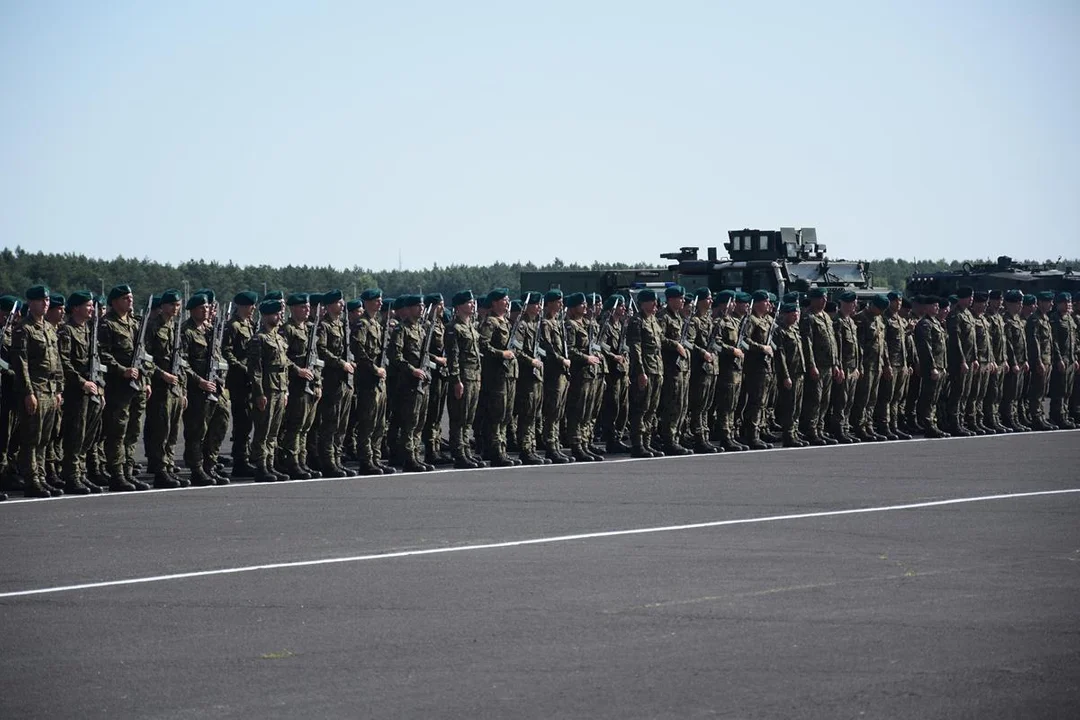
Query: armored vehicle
column 1003, row 275
column 605, row 282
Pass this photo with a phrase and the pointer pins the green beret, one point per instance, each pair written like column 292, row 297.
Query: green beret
column 195, row 301
column 433, row 298
column 772, row 297
column 314, row 298
column 847, row 296
column 515, row 306
column 880, row 301
column 271, row 306
column 483, row 302
column 1061, row 297
column 995, row 295
column 410, row 300
column 371, row 294
column 724, row 296
column 460, row 298
column 646, row 295
column 1029, row 299
column 703, row 293
column 895, row 295
column 56, row 299
column 354, row 304
column 964, row 292
column 38, row 292
column 553, row 295
column 155, row 302
column 119, row 291
column 953, row 299
column 1014, row 296
column 273, row 295
column 331, row 297
column 593, row 298
column 817, row 292
column 245, row 298
column 906, row 304
column 77, row 298
column 759, row 295
column 497, row 294
column 788, row 307
column 7, row 302
column 170, row 296
column 1044, row 296
column 210, row 297
column 532, row 298
column 981, row 296
column 574, row 299
column 791, row 297
column 389, row 303
column 297, row 299
column 743, row 297
column 612, row 301
column 674, row 291
column 943, row 303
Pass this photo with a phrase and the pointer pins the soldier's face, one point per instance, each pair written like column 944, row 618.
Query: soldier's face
column 82, row 313
column 741, row 308
column 373, row 307
column 1045, row 305
column 894, row 305
column 244, row 311
column 648, row 307
column 124, row 303
column 675, row 303
column 499, row 306
column 300, row 312
column 978, row 308
column 1013, row 307
column 38, row 307
column 704, row 305
column 198, row 314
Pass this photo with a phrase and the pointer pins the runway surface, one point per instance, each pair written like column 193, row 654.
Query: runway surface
column 817, row 583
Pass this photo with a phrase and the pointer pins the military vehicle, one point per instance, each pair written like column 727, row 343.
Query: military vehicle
column 775, row 260
column 1005, row 274
column 605, row 282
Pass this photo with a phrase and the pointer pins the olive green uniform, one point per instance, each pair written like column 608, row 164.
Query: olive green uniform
column 1066, row 352
column 892, row 387
column 615, row 410
column 530, row 388
column 437, row 388
column 498, row 382
column 410, row 393
column 82, row 411
column 556, row 380
column 849, row 357
column 165, row 403
column 583, row 378
column 125, row 401
column 1016, row 356
column 36, row 363
column 673, row 395
column 645, row 337
column 996, row 380
column 303, row 398
column 463, row 364
column 980, row 379
column 931, row 340
column 790, row 365
column 871, row 338
column 331, row 339
column 234, row 344
column 195, row 345
column 704, row 368
column 820, row 355
column 757, row 376
column 729, row 378
column 367, row 349
column 269, row 368
column 961, row 352
column 1040, row 344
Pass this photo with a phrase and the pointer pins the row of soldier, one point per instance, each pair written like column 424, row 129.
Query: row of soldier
column 309, row 383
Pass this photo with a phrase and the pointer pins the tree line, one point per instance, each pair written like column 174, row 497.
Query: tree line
column 67, row 272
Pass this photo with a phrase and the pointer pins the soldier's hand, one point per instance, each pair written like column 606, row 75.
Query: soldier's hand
column 537, row 364
column 439, row 360
column 305, row 373
column 207, row 386
column 348, row 367
column 31, row 404
column 767, row 349
column 566, row 363
column 59, row 400
column 90, row 388
column 1061, row 366
column 619, row 359
column 381, row 372
column 963, row 368
column 1026, row 366
column 183, row 403
column 814, row 373
column 1016, row 369
column 149, row 390
column 419, row 374
column 737, row 352
column 169, row 378
column 682, row 351
column 643, row 381
column 934, row 374
column 508, row 354
column 708, row 357
column 260, row 402
column 1040, row 369
column 975, row 366
column 459, row 390
column 855, row 374
column 838, row 375
column 131, row 374
column 592, row 359
column 787, row 383
column 886, row 372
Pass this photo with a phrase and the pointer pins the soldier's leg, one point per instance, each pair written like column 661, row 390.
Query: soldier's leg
column 196, row 419
column 327, row 410
column 217, row 429
column 1074, row 399
column 436, row 406
column 554, row 396
column 880, row 408
column 73, row 432
column 576, row 406
column 156, row 431
column 1037, row 385
column 240, row 410
column 898, row 402
column 530, row 392
column 117, row 414
column 133, row 432
column 32, row 442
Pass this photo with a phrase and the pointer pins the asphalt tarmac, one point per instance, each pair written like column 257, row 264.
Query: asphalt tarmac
column 815, row 583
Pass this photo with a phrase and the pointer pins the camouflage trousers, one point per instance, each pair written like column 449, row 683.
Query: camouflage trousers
column 80, row 425
column 35, row 434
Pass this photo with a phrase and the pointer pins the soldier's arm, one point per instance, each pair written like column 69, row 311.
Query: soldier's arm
column 810, row 337
column 1058, row 338
column 66, row 345
column 487, row 334
column 19, row 363
column 322, row 335
column 396, row 354
column 361, row 338
column 667, row 342
column 106, row 340
column 780, row 356
column 229, row 340
column 255, row 365
column 633, row 342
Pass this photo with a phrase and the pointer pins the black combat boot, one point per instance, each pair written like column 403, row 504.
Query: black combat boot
column 164, row 481
column 119, row 483
column 264, row 475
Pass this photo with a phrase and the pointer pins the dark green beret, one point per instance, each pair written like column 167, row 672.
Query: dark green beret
column 759, row 295
column 7, row 302
column 953, row 299
column 460, row 298
column 817, row 292
column 101, row 300
column 703, row 293
column 447, row 315
column 497, row 294
column 612, row 301
column 847, row 296
column 1014, row 296
column 389, row 303
column 674, row 291
column 297, row 299
column 804, row 300
column 155, row 302
column 371, row 294
column 433, row 298
column 354, row 304
column 77, row 298
column 38, row 292
column 553, row 295
column 119, row 291
column 1061, row 297
column 724, row 296
column 195, row 301
column 943, row 302
column 743, row 297
column 170, row 296
column 772, row 297
column 995, row 295
column 483, row 302
column 273, row 295
column 210, row 297
column 1044, row 296
column 593, row 298
column 515, row 306
column 331, row 297
column 981, row 296
column 314, row 298
column 1029, row 299
column 410, row 300
column 791, row 297
column 880, row 301
column 788, row 307
column 646, row 295
column 906, row 304
column 574, row 299
column 895, row 295
column 56, row 299
column 964, row 292
column 245, row 298
column 271, row 306
column 532, row 298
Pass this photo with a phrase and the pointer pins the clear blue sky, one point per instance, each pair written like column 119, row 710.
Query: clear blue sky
column 468, row 132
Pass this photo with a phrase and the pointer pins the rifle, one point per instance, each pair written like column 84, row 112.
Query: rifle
column 776, row 316
column 4, row 364
column 631, row 312
column 93, row 370
column 178, row 362
column 218, row 366
column 140, row 355
column 348, row 348
column 425, row 353
column 313, row 362
column 514, row 343
column 565, row 345
column 385, row 340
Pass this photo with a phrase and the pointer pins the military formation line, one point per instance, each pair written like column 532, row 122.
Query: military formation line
column 314, row 386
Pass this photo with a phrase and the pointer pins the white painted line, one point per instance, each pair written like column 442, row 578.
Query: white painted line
column 531, row 541
column 245, row 483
